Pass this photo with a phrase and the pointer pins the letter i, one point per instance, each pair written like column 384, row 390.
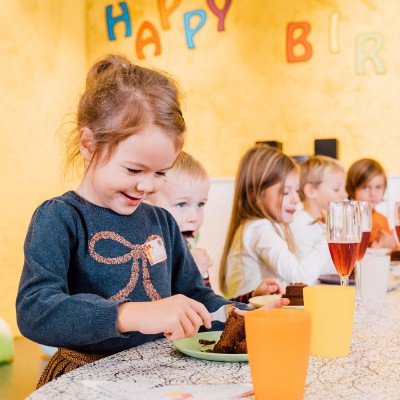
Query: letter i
column 334, row 32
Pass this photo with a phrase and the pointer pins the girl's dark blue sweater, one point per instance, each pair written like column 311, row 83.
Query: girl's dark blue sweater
column 80, row 265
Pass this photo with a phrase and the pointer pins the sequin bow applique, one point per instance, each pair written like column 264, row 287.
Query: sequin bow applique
column 137, row 252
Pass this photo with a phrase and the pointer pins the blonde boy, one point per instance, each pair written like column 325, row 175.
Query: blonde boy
column 184, row 194
column 322, row 179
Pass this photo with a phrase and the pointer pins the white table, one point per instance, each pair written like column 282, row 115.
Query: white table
column 370, row 371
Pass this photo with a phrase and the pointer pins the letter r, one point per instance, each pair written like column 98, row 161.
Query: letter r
column 363, row 55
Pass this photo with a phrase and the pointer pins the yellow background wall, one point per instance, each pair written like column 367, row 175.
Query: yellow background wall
column 239, row 89
column 43, row 63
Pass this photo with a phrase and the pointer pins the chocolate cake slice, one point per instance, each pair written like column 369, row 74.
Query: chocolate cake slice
column 294, row 292
column 233, row 337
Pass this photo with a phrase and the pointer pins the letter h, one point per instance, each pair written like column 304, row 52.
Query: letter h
column 111, row 21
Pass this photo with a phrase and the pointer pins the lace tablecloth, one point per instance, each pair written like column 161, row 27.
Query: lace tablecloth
column 370, row 371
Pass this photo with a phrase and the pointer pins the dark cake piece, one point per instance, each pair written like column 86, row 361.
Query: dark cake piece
column 294, row 292
column 395, row 255
column 241, row 347
column 206, row 342
column 233, row 337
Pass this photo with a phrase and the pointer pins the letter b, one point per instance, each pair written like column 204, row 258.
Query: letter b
column 299, row 41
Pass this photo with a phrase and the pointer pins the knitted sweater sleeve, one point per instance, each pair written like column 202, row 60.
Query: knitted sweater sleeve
column 186, row 277
column 46, row 312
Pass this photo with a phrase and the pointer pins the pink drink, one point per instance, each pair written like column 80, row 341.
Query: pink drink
column 344, row 256
column 363, row 245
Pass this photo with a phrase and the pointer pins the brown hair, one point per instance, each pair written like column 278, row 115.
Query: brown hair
column 260, row 167
column 360, row 173
column 313, row 171
column 119, row 99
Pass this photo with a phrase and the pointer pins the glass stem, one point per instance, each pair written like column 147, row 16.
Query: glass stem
column 344, row 280
column 357, row 268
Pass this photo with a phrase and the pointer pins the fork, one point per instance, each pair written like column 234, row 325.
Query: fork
column 221, row 314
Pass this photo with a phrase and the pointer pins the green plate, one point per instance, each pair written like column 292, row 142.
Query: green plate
column 192, row 348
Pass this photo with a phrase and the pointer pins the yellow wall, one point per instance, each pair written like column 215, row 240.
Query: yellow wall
column 43, row 63
column 239, row 88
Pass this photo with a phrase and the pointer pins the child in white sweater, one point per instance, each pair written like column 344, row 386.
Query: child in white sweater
column 259, row 243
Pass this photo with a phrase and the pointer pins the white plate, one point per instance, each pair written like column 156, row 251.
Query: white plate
column 294, row 307
column 192, row 348
column 260, row 301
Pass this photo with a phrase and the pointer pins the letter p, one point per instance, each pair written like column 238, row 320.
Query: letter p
column 188, row 30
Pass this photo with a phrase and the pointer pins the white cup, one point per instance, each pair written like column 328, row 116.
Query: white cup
column 374, row 279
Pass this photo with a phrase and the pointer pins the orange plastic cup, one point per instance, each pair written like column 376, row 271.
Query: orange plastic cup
column 278, row 345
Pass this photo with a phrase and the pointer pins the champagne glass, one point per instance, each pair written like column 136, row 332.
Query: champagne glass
column 397, row 220
column 343, row 233
column 366, row 226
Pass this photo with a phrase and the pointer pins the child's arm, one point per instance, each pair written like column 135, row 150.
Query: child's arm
column 274, row 252
column 386, row 240
column 187, row 279
column 266, row 287
column 176, row 317
column 381, row 234
column 202, row 259
column 48, row 312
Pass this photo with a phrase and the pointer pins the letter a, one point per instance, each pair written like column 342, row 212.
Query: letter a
column 154, row 38
column 301, row 41
column 111, row 21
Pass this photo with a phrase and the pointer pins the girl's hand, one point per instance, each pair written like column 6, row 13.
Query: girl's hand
column 267, row 286
column 202, row 259
column 177, row 317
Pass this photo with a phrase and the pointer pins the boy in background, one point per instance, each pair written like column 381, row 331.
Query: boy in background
column 184, row 194
column 322, row 179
